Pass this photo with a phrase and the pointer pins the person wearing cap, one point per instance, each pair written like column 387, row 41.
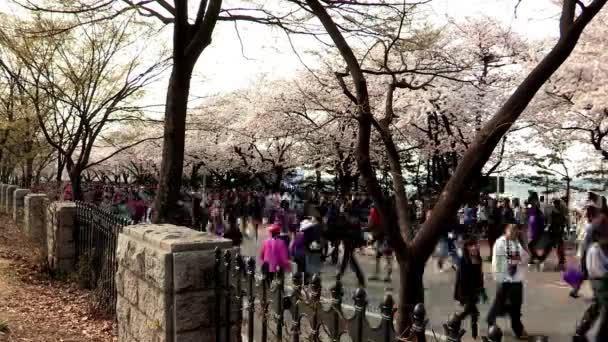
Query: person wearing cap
column 508, row 272
column 274, row 253
column 469, row 286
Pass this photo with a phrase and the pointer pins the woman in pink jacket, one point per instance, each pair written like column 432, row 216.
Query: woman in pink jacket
column 274, row 254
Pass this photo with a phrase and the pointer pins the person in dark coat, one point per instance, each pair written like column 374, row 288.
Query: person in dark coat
column 469, row 287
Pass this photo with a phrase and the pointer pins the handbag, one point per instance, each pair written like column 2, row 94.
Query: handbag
column 573, row 277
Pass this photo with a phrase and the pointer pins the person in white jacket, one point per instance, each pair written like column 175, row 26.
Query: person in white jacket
column 508, row 269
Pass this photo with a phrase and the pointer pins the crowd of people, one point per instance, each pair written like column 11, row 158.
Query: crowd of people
column 307, row 229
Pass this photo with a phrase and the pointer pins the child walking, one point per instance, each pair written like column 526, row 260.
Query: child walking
column 469, row 286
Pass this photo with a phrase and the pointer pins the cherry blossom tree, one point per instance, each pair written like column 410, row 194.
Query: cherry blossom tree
column 412, row 254
column 574, row 100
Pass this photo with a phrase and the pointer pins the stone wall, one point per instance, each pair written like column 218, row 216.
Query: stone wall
column 8, row 200
column 165, row 284
column 34, row 221
column 18, row 204
column 60, row 229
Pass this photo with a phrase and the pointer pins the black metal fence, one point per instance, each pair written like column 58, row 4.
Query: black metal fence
column 271, row 311
column 96, row 235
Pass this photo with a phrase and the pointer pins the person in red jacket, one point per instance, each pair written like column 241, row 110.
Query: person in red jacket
column 375, row 223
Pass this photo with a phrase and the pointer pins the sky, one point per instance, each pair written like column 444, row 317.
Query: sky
column 222, row 66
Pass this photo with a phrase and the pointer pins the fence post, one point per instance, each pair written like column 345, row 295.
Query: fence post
column 360, row 298
column 166, row 284
column 60, row 228
column 295, row 307
column 337, row 292
column 387, row 317
column 453, row 329
column 251, row 297
column 3, row 196
column 316, row 302
column 34, row 222
column 18, row 204
column 8, row 201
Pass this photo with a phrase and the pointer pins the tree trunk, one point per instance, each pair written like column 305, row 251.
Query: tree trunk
column 411, row 290
column 279, row 173
column 76, row 180
column 170, row 180
column 319, row 186
column 60, row 168
column 568, row 192
column 28, row 174
column 345, row 183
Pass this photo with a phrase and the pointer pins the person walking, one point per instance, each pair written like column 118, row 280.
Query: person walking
column 469, row 287
column 556, row 233
column 494, row 225
column 508, row 274
column 352, row 239
column 376, row 224
column 596, row 260
column 256, row 212
column 536, row 226
column 274, row 253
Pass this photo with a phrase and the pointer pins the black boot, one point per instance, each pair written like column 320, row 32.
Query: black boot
column 474, row 329
column 474, row 325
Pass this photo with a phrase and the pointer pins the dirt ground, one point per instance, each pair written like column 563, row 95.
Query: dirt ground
column 38, row 308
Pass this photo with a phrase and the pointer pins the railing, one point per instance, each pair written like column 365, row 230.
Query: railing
column 96, row 235
column 261, row 303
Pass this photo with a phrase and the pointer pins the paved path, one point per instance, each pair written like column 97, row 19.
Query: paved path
column 548, row 310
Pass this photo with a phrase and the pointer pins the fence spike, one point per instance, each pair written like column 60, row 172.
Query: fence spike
column 360, row 298
column 227, row 256
column 419, row 321
column 337, row 291
column 453, row 328
column 297, row 279
column 387, row 307
column 250, row 265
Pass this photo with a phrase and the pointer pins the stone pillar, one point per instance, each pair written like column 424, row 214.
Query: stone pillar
column 18, row 203
column 165, row 284
column 8, row 201
column 2, row 196
column 35, row 217
column 60, row 227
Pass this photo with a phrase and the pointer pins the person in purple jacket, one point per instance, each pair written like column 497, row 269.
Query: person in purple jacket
column 536, row 226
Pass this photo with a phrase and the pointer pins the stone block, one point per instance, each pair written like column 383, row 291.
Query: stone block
column 123, row 309
column 193, row 336
column 61, row 246
column 19, row 204
column 153, row 303
column 119, row 280
column 176, row 239
column 135, row 258
column 193, row 310
column 131, row 283
column 193, row 271
column 8, row 202
column 158, row 268
column 144, row 328
column 2, row 196
column 35, row 217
